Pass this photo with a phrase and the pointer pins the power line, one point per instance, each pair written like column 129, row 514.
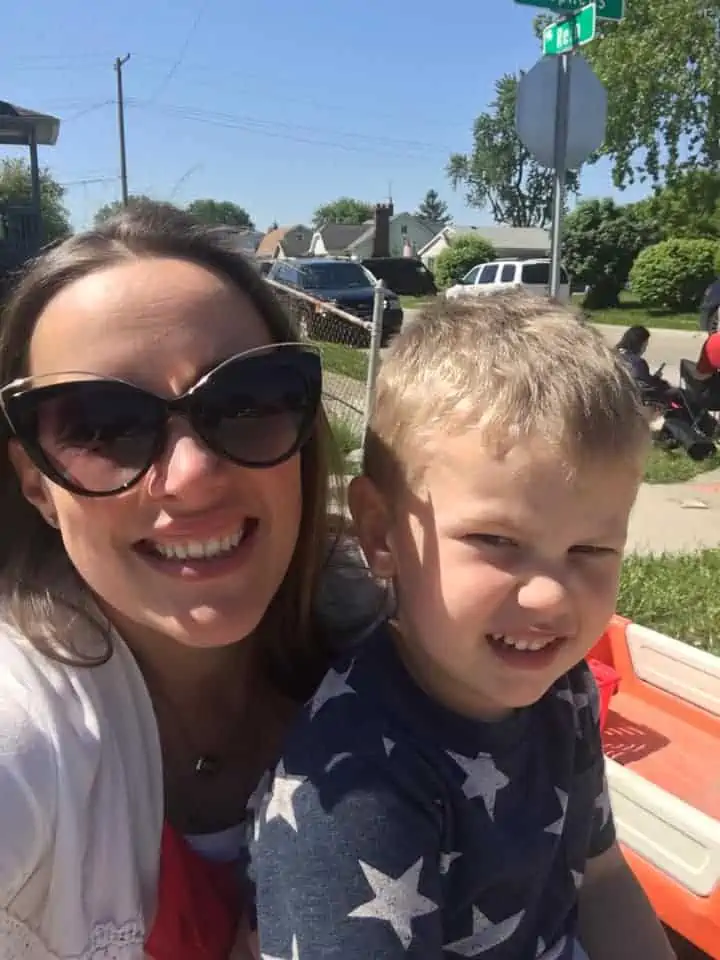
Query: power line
column 175, row 66
column 297, row 133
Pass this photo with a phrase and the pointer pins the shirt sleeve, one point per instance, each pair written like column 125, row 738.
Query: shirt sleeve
column 602, row 835
column 27, row 796
column 348, row 865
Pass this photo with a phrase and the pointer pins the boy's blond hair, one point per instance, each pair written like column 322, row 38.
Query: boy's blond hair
column 512, row 366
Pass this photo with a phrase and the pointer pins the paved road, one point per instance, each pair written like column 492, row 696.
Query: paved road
column 666, row 346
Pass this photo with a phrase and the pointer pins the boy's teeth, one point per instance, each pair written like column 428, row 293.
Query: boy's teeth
column 198, row 550
column 520, row 643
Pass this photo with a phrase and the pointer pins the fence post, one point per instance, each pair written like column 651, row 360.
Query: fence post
column 374, row 355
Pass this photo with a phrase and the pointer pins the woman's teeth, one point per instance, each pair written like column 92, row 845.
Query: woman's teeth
column 199, row 549
column 520, row 643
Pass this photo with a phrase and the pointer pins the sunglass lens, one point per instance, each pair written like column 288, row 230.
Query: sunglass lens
column 99, row 436
column 259, row 410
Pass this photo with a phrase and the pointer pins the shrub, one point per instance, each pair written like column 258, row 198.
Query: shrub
column 462, row 255
column 674, row 274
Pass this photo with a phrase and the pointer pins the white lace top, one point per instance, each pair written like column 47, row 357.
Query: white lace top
column 81, row 807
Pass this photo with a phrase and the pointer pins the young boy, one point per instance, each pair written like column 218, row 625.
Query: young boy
column 443, row 794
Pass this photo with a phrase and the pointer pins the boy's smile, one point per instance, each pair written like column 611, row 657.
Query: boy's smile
column 506, row 565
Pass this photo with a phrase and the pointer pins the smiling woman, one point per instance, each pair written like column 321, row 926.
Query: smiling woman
column 166, row 584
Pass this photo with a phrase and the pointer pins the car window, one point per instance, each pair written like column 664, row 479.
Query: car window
column 488, row 273
column 536, row 274
column 471, row 276
column 335, row 275
column 508, row 273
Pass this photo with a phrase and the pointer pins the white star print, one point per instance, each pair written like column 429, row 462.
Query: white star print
column 388, row 744
column 255, row 802
column 602, row 803
column 483, row 778
column 281, row 798
column 557, row 826
column 334, row 761
column 447, row 860
column 397, row 901
column 577, row 878
column 294, row 954
column 554, row 952
column 485, row 934
column 334, row 685
column 578, row 700
column 593, row 694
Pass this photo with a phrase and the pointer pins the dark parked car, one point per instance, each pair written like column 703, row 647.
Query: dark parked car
column 343, row 283
column 407, row 276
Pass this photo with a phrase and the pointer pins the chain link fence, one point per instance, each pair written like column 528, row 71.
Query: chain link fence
column 349, row 340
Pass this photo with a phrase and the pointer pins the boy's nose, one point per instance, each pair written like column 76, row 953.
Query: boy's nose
column 543, row 594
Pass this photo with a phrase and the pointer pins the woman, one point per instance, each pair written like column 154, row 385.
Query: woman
column 163, row 490
column 632, row 346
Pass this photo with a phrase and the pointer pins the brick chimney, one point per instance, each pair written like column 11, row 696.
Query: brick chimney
column 381, row 241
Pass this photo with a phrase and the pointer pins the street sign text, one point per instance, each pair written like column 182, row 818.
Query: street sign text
column 572, row 32
column 606, row 9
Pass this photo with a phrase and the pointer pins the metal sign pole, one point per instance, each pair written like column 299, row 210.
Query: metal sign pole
column 559, row 164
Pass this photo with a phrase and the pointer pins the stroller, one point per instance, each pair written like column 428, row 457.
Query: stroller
column 688, row 420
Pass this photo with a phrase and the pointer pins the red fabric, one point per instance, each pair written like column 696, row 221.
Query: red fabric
column 198, row 904
column 709, row 359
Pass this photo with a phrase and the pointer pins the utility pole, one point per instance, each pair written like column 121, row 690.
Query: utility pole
column 119, row 64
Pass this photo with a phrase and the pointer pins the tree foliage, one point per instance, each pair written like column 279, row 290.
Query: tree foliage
column 600, row 243
column 688, row 207
column 216, row 212
column 108, row 210
column 500, row 173
column 674, row 274
column 343, row 210
column 464, row 252
column 661, row 68
column 16, row 188
column 434, row 209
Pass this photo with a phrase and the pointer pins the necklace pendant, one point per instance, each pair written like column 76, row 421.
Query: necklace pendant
column 207, row 765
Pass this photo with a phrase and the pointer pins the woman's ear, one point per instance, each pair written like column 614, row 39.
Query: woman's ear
column 32, row 483
column 371, row 518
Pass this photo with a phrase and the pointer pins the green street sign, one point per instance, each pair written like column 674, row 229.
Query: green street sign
column 565, row 35
column 606, row 9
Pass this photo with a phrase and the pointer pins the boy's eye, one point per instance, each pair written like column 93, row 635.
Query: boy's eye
column 590, row 550
column 492, row 540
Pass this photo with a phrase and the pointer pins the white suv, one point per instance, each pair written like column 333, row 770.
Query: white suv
column 487, row 278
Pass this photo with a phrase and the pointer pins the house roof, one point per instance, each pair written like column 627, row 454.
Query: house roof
column 338, row 236
column 16, row 124
column 293, row 239
column 532, row 239
column 369, row 231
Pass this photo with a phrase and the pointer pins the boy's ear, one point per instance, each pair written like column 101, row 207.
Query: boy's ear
column 371, row 518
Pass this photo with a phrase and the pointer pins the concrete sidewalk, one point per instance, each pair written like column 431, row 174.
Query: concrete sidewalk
column 676, row 517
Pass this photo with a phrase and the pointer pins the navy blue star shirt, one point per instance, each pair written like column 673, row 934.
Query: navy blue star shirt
column 393, row 828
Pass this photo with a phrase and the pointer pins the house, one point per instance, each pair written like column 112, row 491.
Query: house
column 292, row 241
column 407, row 235
column 333, row 239
column 244, row 241
column 509, row 243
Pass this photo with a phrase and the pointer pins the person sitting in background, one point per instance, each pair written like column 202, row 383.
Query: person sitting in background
column 632, row 346
column 710, row 308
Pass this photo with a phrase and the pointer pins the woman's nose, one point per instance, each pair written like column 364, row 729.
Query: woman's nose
column 187, row 465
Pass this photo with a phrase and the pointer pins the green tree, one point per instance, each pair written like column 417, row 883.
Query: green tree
column 16, row 187
column 600, row 243
column 673, row 275
column 500, row 174
column 343, row 210
column 215, row 212
column 661, row 68
column 108, row 210
column 687, row 207
column 464, row 252
column 434, row 209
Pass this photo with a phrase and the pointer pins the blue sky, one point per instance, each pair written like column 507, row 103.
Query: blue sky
column 278, row 106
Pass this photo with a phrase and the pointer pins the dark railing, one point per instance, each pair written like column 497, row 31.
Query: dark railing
column 20, row 235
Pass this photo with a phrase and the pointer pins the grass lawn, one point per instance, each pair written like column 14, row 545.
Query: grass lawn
column 674, row 466
column 630, row 312
column 415, row 303
column 347, row 361
column 676, row 594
